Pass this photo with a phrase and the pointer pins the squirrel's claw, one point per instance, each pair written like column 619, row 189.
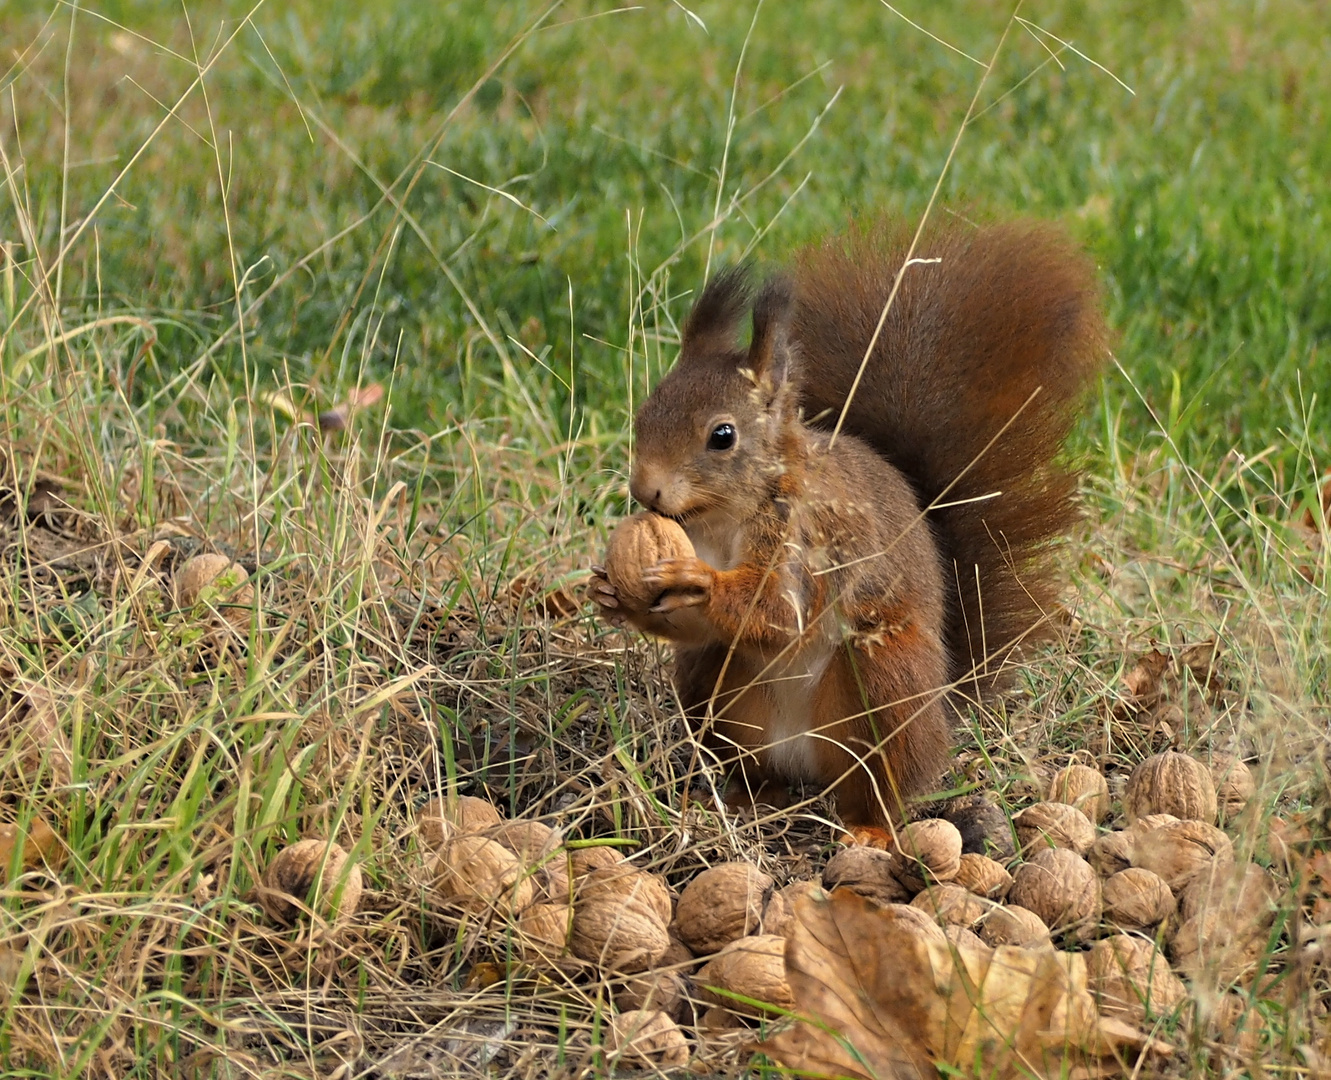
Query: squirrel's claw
column 682, row 583
column 606, row 597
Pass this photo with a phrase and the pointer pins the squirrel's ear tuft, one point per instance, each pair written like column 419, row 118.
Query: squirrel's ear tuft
column 713, row 324
column 769, row 353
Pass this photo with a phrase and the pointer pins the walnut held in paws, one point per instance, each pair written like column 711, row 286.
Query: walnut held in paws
column 637, row 544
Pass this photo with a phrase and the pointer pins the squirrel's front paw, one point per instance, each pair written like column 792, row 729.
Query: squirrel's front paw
column 606, row 597
column 681, row 583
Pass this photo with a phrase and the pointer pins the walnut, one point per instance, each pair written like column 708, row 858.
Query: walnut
column 230, row 580
column 1112, row 852
column 1147, row 822
column 586, row 859
column 677, row 954
column 1181, row 849
column 867, row 871
column 481, row 875
column 1245, row 894
column 962, row 938
column 661, row 989
column 753, row 967
column 982, row 876
column 637, row 544
column 927, row 851
column 1013, row 924
column 543, row 930
column 983, row 825
column 551, row 880
column 530, row 841
column 40, row 845
column 1082, row 787
column 617, row 935
column 306, row 865
column 440, row 819
column 1054, row 824
column 1237, row 1022
column 1170, row 783
column 951, row 905
column 647, row 1039
column 1059, row 886
column 721, row 904
column 625, row 884
column 1136, row 899
column 922, row 922
column 717, row 1021
column 1212, row 946
column 1234, row 784
column 1130, row 978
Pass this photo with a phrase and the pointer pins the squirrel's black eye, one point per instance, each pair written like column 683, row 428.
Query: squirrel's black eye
column 722, row 437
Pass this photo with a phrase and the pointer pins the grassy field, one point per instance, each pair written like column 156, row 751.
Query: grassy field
column 220, row 220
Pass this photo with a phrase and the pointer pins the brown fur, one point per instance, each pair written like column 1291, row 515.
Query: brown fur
column 1009, row 309
column 831, row 609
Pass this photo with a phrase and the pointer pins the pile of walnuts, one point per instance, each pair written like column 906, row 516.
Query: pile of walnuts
column 1158, row 900
column 584, row 904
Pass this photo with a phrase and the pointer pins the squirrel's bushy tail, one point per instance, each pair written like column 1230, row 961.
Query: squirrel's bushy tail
column 972, row 388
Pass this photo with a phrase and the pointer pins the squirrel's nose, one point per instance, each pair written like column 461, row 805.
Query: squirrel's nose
column 645, row 488
column 644, row 496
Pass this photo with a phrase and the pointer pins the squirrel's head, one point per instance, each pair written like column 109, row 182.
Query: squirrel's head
column 709, row 436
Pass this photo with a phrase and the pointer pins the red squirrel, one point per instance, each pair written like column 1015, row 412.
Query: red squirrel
column 850, row 589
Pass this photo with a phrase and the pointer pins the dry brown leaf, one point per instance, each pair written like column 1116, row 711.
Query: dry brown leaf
column 38, row 734
column 877, row 997
column 1202, row 660
column 548, row 601
column 1143, row 681
column 41, row 846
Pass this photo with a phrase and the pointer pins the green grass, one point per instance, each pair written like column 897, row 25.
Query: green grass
column 398, row 644
column 1199, row 194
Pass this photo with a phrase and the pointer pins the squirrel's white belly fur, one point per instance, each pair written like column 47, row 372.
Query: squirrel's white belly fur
column 790, row 681
column 791, row 729
column 716, row 539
